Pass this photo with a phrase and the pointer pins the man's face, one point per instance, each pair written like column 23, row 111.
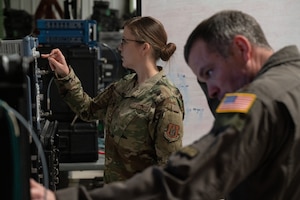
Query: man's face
column 222, row 75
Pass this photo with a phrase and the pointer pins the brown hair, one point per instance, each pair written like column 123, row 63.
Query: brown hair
column 219, row 30
column 153, row 32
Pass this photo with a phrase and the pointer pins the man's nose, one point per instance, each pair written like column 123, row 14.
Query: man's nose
column 213, row 91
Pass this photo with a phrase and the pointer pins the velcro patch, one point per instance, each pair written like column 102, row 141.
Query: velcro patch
column 189, row 151
column 140, row 106
column 172, row 134
column 236, row 102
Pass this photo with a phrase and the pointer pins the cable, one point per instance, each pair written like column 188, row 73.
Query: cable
column 36, row 140
column 116, row 57
column 48, row 93
column 14, row 131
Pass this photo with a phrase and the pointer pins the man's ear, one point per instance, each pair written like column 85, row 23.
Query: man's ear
column 242, row 46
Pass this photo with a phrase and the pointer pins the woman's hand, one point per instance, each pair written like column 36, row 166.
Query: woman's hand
column 57, row 62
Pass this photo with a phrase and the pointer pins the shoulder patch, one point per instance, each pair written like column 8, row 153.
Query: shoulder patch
column 172, row 134
column 236, row 102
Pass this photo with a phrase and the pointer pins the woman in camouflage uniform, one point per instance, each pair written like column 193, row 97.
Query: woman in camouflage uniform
column 142, row 112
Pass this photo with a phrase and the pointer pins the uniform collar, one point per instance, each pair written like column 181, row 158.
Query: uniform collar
column 146, row 86
column 286, row 54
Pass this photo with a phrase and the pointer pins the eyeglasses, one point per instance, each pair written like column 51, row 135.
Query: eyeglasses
column 125, row 41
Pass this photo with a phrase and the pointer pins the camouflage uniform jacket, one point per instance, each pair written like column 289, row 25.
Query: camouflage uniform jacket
column 143, row 123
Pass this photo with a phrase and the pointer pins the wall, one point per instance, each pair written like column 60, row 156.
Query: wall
column 87, row 6
column 279, row 19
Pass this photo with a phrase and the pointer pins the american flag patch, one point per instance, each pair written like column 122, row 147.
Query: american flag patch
column 236, row 102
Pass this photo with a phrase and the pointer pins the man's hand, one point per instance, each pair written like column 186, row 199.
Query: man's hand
column 39, row 192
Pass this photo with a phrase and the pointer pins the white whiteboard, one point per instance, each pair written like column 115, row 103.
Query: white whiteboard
column 280, row 20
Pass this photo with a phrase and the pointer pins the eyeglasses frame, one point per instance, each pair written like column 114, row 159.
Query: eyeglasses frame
column 125, row 41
